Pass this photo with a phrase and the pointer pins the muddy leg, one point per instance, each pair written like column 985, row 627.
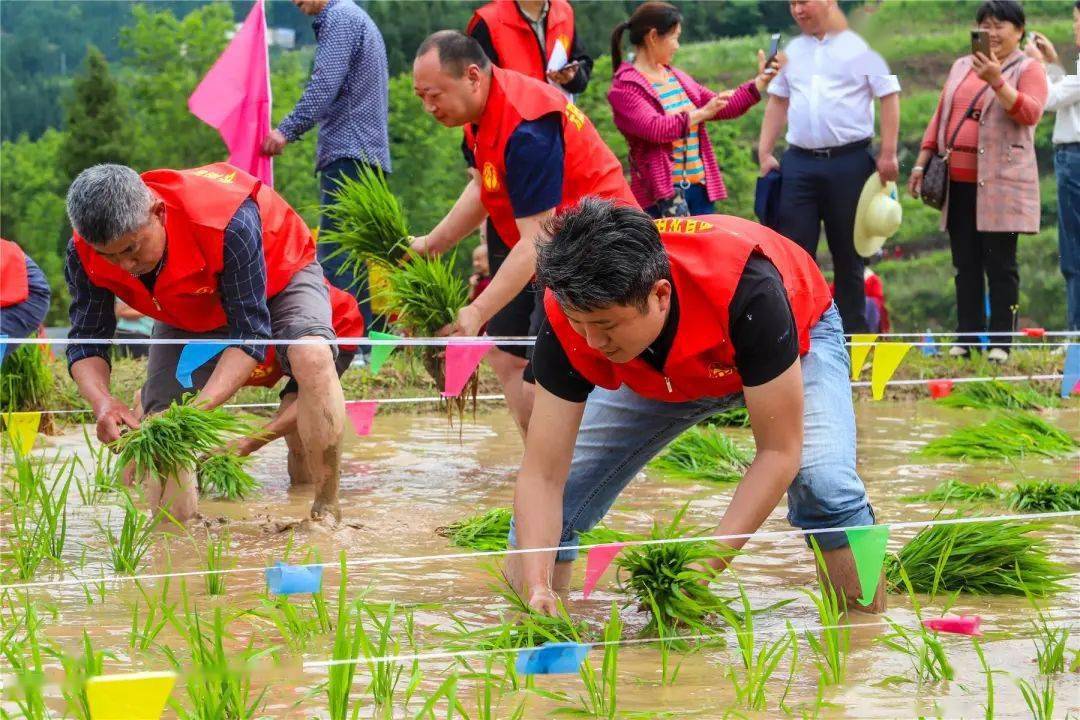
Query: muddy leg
column 519, row 394
column 179, row 497
column 845, row 580
column 320, row 422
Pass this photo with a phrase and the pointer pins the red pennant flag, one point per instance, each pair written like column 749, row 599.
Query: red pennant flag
column 958, row 624
column 461, row 363
column 361, row 414
column 596, row 563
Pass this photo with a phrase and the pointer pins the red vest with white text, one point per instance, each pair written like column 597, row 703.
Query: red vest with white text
column 707, row 256
column 589, row 166
column 515, row 41
column 14, row 284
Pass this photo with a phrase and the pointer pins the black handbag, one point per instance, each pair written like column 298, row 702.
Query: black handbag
column 935, row 183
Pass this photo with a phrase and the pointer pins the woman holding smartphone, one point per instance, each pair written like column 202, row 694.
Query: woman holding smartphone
column 985, row 126
column 662, row 112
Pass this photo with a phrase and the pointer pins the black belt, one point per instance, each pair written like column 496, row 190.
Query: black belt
column 826, row 153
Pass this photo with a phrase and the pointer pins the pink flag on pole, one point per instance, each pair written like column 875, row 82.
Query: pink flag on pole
column 461, row 362
column 361, row 413
column 234, row 97
column 597, row 561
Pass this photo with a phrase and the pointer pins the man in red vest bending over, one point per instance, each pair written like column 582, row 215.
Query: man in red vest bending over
column 24, row 294
column 208, row 253
column 659, row 325
column 531, row 153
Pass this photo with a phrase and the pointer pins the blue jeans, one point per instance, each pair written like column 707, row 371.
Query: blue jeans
column 621, row 431
column 697, row 199
column 1067, row 165
column 339, row 277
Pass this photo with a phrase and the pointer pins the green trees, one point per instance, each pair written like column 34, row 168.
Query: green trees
column 97, row 129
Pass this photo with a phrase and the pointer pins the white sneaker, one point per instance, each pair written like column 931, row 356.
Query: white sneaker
column 997, row 355
column 958, row 351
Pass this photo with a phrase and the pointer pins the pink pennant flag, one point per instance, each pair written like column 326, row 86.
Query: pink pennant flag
column 234, row 97
column 596, row 563
column 959, row 624
column 361, row 414
column 461, row 363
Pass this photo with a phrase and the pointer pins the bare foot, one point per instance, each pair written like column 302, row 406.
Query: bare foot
column 321, row 509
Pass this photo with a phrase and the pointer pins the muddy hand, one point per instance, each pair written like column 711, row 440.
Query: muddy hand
column 544, row 600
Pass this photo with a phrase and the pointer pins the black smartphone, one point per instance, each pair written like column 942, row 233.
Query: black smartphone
column 774, row 48
column 980, row 42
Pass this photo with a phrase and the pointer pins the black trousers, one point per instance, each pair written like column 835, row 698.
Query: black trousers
column 819, row 190
column 982, row 260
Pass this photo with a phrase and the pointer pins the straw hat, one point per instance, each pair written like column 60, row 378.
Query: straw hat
column 877, row 217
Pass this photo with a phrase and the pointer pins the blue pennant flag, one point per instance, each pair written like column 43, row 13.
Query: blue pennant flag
column 1072, row 369
column 194, row 356
column 929, row 348
column 551, row 658
column 285, row 579
column 3, row 349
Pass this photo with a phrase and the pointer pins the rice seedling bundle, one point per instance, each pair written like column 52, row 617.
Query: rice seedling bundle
column 1009, row 435
column 1044, row 496
column 174, row 440
column 488, row 531
column 953, row 490
column 225, row 476
column 995, row 394
column 997, row 557
column 371, row 224
column 704, row 454
column 25, row 379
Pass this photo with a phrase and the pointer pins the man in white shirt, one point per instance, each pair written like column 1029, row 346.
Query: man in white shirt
column 1064, row 99
column 825, row 95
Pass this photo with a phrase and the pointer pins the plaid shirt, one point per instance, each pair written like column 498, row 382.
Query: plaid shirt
column 242, row 283
column 348, row 94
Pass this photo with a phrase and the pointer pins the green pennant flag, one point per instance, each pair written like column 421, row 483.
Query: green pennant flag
column 868, row 548
column 379, row 353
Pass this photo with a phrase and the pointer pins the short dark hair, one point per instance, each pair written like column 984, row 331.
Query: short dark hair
column 601, row 254
column 457, row 51
column 1002, row 11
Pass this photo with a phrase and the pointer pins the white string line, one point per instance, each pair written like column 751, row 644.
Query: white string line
column 489, row 398
column 445, row 557
column 311, row 665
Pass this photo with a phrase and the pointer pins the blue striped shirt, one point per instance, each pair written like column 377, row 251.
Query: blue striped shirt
column 242, row 284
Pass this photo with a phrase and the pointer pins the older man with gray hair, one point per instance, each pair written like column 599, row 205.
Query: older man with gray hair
column 208, row 253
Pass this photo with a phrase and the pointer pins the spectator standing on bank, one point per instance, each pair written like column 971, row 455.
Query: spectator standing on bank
column 348, row 97
column 1063, row 99
column 662, row 112
column 825, row 94
column 993, row 189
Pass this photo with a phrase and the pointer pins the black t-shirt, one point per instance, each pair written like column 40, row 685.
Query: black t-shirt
column 762, row 329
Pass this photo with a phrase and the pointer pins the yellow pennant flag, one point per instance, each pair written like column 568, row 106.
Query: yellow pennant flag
column 132, row 696
column 887, row 357
column 22, row 428
column 860, row 348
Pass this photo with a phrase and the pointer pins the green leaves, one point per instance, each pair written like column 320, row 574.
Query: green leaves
column 998, row 394
column 224, row 476
column 370, row 221
column 25, row 379
column 1009, row 435
column 426, row 293
column 705, row 454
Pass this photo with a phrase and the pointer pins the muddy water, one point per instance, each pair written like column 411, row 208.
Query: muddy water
column 414, row 474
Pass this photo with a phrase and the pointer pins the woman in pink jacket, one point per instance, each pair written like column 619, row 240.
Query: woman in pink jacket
column 662, row 112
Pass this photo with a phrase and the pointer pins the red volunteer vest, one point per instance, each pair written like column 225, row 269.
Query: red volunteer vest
column 515, row 42
column 707, row 255
column 589, row 166
column 199, row 205
column 14, row 286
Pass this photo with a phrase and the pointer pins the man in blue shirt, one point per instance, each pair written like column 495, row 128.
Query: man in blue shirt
column 348, row 97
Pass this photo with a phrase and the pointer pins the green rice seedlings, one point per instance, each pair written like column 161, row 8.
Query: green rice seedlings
column 735, row 417
column 953, row 490
column 298, row 624
column 77, row 670
column 26, row 536
column 996, row 394
column 25, row 660
column 1039, row 699
column 348, row 640
column 386, row 675
column 488, row 687
column 601, row 691
column 370, row 222
column 1044, row 496
column 1050, row 642
column 921, row 645
column 1010, row 435
column 217, row 559
column 52, row 508
column 758, row 665
column 127, row 548
column 175, row 440
column 488, row 532
column 95, row 482
column 989, row 673
column 26, row 379
column 224, row 476
column 672, row 579
column 831, row 648
column 704, row 454
column 997, row 557
column 144, row 630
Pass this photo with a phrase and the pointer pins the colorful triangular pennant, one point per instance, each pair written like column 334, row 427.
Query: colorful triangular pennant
column 861, row 345
column 958, row 624
column 596, row 562
column 868, row 548
column 194, row 356
column 22, row 429
column 285, row 579
column 1071, row 376
column 379, row 353
column 928, row 347
column 461, row 363
column 887, row 357
column 132, row 696
column 361, row 414
column 3, row 348
column 551, row 658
